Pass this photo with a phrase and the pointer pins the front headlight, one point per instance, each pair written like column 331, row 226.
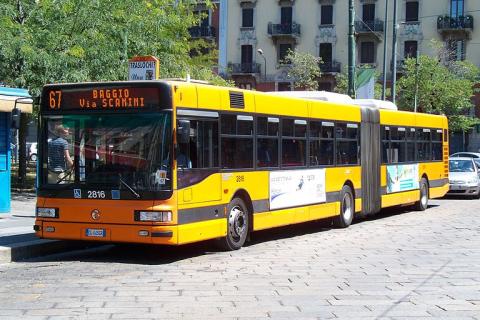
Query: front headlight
column 153, row 216
column 47, row 212
column 473, row 181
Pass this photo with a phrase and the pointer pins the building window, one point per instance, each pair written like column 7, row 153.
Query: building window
column 456, row 8
column 368, row 12
column 247, row 54
column 204, row 18
column 411, row 11
column 286, row 15
column 367, row 52
column 455, row 50
column 283, row 50
column 410, row 50
column 247, row 18
column 326, row 14
column 284, row 86
column 326, row 53
column 325, row 86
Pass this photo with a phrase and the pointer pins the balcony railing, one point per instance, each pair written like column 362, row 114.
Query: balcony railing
column 331, row 67
column 285, row 29
column 245, row 68
column 448, row 23
column 202, row 32
column 369, row 26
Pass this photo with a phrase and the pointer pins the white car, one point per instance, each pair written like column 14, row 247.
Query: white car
column 464, row 177
column 32, row 152
column 474, row 155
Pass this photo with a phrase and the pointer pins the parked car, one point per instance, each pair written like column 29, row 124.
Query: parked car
column 464, row 177
column 32, row 152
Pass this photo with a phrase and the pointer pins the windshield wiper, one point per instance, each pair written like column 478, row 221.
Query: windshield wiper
column 135, row 193
column 65, row 176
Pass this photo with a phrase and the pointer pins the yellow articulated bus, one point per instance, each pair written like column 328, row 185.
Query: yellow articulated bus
column 174, row 162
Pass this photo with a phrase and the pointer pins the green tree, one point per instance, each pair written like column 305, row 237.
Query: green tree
column 75, row 40
column 443, row 88
column 304, row 69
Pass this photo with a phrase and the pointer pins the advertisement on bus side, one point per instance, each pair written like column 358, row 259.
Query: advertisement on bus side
column 402, row 177
column 296, row 188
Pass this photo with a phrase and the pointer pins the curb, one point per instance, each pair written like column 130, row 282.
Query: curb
column 36, row 248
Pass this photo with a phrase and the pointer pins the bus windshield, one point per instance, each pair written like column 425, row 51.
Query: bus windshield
column 117, row 151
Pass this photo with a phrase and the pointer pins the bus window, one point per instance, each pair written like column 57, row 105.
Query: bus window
column 321, row 143
column 346, row 135
column 201, row 151
column 423, row 144
column 437, row 138
column 237, row 141
column 267, row 142
column 385, row 136
column 294, row 151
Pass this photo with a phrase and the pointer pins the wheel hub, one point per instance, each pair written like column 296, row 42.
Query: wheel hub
column 236, row 221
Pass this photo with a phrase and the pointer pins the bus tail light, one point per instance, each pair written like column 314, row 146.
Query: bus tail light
column 47, row 212
column 154, row 216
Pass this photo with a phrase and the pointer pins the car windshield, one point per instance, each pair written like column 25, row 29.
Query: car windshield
column 461, row 166
column 124, row 151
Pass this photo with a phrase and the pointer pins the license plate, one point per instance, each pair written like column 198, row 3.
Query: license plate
column 98, row 233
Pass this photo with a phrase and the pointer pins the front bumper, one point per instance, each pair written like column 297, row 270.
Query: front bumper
column 463, row 189
column 107, row 232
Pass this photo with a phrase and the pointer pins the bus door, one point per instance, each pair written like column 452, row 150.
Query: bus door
column 198, row 178
column 370, row 160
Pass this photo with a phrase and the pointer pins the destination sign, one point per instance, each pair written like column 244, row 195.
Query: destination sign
column 105, row 99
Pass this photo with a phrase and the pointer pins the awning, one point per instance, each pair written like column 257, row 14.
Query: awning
column 8, row 96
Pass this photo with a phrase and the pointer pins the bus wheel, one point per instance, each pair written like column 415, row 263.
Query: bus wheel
column 347, row 209
column 422, row 204
column 237, row 225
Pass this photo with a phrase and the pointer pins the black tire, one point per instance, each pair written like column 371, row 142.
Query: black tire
column 237, row 225
column 422, row 203
column 347, row 208
column 33, row 157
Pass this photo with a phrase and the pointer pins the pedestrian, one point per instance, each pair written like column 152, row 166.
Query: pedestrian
column 58, row 156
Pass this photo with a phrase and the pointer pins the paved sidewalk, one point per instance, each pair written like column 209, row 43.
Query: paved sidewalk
column 17, row 238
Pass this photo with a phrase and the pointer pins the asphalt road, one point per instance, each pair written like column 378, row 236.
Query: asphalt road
column 399, row 265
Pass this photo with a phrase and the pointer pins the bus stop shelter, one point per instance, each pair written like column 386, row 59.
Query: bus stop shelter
column 10, row 98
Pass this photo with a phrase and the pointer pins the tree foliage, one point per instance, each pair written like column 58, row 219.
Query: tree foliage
column 443, row 88
column 47, row 41
column 304, row 69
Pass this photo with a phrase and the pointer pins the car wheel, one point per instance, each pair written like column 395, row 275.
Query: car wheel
column 33, row 157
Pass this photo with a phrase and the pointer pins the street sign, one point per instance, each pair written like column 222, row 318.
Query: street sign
column 143, row 68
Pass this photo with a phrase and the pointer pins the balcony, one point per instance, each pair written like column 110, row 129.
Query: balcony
column 202, row 32
column 411, row 30
column 245, row 68
column 369, row 27
column 242, row 2
column 448, row 25
column 331, row 67
column 284, row 30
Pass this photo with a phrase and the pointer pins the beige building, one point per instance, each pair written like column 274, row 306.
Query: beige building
column 320, row 27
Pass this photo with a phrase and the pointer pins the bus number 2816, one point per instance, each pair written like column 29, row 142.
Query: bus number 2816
column 96, row 194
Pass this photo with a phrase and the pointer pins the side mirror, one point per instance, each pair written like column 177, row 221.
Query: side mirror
column 16, row 115
column 183, row 131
